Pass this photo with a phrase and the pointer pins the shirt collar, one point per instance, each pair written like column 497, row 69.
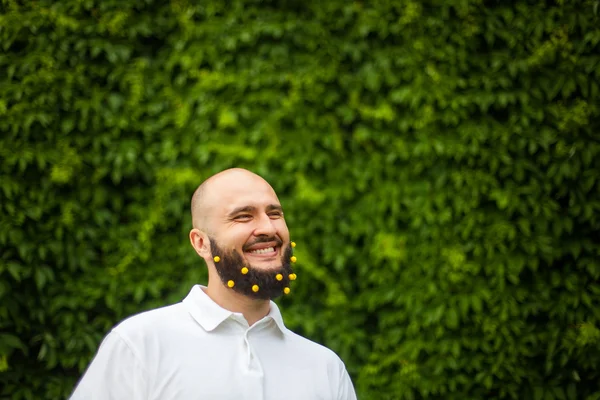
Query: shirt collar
column 275, row 315
column 210, row 315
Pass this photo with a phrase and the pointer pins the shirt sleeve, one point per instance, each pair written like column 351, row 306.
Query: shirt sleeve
column 346, row 390
column 115, row 373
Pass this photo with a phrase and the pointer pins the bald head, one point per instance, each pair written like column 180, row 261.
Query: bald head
column 222, row 188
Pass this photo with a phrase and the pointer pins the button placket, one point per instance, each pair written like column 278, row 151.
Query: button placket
column 253, row 360
column 248, row 351
column 254, row 370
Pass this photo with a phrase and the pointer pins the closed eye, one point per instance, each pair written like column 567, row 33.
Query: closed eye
column 242, row 217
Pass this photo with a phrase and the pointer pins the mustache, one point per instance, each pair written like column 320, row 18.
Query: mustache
column 275, row 239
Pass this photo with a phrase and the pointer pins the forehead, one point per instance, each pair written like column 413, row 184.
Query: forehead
column 247, row 191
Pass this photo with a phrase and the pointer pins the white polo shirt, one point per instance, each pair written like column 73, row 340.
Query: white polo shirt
column 197, row 350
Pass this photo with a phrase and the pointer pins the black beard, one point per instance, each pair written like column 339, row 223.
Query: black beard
column 230, row 266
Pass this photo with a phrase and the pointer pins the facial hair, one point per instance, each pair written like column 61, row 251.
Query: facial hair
column 231, row 263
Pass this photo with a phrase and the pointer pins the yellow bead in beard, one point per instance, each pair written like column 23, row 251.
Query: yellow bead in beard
column 217, row 258
column 255, row 288
column 231, row 284
column 286, row 290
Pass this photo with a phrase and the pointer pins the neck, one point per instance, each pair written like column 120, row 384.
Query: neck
column 252, row 309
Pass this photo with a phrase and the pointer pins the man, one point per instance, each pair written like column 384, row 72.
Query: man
column 226, row 340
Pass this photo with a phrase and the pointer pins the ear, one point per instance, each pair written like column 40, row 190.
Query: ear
column 200, row 242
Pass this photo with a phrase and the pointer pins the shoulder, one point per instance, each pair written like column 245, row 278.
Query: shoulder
column 151, row 322
column 313, row 349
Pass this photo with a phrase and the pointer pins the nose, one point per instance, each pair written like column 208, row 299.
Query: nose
column 265, row 226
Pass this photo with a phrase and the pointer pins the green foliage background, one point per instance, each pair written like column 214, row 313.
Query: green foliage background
column 438, row 162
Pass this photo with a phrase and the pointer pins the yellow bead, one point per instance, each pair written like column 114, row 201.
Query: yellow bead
column 292, row 277
column 217, row 258
column 279, row 277
column 286, row 290
column 244, row 270
column 231, row 283
column 255, row 288
column 293, row 259
column 293, row 244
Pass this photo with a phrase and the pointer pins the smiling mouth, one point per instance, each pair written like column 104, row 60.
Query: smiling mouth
column 264, row 247
column 267, row 250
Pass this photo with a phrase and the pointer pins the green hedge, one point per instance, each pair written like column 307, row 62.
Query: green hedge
column 438, row 162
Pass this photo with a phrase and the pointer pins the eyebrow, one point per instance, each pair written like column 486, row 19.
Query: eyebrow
column 250, row 209
column 276, row 207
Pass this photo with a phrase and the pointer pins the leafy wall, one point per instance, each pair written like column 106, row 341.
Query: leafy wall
column 438, row 162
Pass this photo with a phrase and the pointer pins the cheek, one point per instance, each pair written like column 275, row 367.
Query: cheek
column 282, row 229
column 234, row 239
column 239, row 237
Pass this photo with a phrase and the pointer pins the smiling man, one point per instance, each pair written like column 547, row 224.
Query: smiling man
column 226, row 340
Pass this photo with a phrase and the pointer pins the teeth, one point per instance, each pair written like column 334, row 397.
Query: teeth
column 263, row 251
